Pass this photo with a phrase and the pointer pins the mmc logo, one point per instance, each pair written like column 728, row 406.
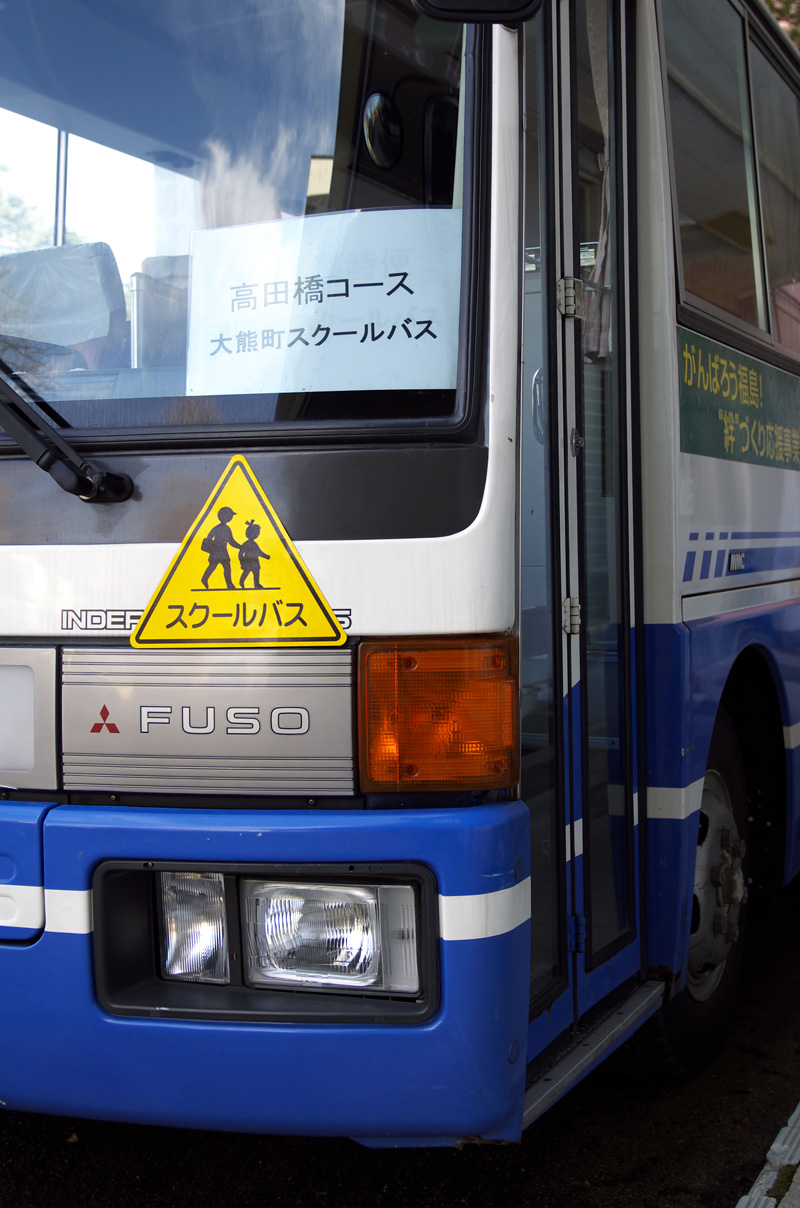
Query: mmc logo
column 104, row 723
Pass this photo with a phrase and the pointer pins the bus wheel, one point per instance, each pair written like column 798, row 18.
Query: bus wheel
column 696, row 1021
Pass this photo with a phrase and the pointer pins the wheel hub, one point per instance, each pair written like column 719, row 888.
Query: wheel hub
column 719, row 890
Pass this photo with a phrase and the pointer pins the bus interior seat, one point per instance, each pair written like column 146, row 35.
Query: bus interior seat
column 35, row 363
column 159, row 312
column 69, row 296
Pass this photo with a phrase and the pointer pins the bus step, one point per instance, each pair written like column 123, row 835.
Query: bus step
column 589, row 1048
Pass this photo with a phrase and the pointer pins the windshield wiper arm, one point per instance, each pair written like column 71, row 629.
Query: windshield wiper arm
column 47, row 448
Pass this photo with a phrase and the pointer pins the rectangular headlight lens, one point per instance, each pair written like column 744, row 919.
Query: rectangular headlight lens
column 194, row 943
column 324, row 936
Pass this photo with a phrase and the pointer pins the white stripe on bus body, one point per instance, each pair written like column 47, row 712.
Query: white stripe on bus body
column 674, row 805
column 574, row 830
column 574, row 839
column 577, row 837
column 791, row 736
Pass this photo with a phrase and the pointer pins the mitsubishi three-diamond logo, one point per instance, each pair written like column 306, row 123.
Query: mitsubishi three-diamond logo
column 104, row 724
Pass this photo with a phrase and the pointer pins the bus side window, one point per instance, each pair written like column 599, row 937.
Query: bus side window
column 776, row 110
column 713, row 158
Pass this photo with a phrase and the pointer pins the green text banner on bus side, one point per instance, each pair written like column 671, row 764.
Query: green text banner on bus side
column 736, row 408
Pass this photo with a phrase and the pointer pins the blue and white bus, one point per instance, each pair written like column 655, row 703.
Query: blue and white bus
column 399, row 531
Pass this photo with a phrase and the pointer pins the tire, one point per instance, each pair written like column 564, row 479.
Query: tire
column 694, row 1024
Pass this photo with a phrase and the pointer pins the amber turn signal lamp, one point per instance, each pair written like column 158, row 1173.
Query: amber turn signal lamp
column 438, row 714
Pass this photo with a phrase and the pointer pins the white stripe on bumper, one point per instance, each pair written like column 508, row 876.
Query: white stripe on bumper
column 468, row 917
column 32, row 908
column 22, row 906
column 479, row 916
column 68, row 910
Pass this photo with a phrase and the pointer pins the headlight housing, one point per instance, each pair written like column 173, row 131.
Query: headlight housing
column 297, row 943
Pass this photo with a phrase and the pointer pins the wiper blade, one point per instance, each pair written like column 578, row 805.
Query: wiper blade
column 47, row 448
column 15, row 379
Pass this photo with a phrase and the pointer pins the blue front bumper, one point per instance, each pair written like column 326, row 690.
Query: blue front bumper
column 460, row 1074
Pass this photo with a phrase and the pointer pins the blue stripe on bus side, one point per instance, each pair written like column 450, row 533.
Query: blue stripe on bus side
column 737, row 556
column 767, row 558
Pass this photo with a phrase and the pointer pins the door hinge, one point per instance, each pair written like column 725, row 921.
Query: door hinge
column 569, row 297
column 571, row 615
column 576, row 933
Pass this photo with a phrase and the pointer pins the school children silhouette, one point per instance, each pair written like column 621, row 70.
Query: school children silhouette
column 215, row 544
column 249, row 554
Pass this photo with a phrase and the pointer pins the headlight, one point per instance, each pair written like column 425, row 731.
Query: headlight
column 194, row 935
column 316, row 936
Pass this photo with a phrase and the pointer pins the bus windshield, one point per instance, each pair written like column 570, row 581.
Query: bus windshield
column 246, row 213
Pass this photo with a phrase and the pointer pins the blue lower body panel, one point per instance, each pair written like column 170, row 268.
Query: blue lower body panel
column 459, row 1074
column 671, row 855
column 21, row 899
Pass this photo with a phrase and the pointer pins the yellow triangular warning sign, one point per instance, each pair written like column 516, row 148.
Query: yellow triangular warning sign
column 237, row 579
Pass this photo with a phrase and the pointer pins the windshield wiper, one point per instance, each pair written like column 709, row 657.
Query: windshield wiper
column 47, row 448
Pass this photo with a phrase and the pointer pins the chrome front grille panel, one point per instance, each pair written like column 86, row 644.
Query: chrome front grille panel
column 208, row 722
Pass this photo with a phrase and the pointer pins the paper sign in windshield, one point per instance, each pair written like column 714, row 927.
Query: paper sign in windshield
column 237, row 579
column 343, row 301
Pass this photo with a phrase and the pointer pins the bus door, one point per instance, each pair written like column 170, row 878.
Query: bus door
column 575, row 520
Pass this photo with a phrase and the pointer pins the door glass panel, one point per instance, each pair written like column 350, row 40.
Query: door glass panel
column 536, row 628
column 605, row 799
